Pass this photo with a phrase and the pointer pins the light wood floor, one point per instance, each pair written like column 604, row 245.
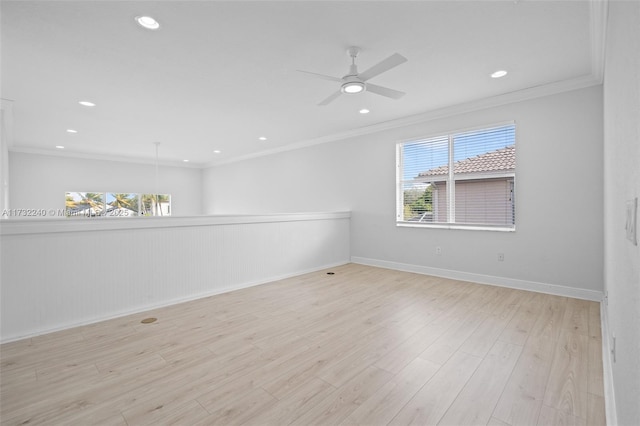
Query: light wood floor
column 364, row 346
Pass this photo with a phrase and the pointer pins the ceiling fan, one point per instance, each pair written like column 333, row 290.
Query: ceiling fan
column 355, row 82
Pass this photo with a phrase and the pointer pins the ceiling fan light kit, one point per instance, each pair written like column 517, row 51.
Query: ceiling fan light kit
column 355, row 82
column 352, row 87
column 147, row 22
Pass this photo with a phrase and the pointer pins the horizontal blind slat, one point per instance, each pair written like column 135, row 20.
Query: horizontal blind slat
column 483, row 178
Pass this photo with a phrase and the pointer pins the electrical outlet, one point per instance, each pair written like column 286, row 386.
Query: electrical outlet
column 439, row 251
column 501, row 257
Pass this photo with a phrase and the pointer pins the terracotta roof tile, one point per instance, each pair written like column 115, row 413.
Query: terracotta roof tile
column 499, row 160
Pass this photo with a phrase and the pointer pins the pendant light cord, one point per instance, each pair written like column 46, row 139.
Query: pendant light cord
column 156, row 201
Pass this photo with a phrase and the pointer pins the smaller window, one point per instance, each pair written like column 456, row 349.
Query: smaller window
column 122, row 205
column 84, row 204
column 155, row 205
column 112, row 204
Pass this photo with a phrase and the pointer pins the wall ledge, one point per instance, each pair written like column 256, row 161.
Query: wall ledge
column 46, row 226
column 55, row 277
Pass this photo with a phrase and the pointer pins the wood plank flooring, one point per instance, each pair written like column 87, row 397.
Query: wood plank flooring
column 364, row 346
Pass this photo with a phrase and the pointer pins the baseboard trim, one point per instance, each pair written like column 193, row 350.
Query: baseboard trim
column 144, row 308
column 607, row 368
column 557, row 290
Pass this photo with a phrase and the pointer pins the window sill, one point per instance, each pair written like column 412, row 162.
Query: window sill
column 455, row 226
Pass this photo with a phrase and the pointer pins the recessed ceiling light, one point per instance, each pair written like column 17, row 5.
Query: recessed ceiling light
column 186, row 161
column 364, row 111
column 59, row 146
column 498, row 74
column 217, row 151
column 71, row 131
column 262, row 138
column 87, row 103
column 147, row 22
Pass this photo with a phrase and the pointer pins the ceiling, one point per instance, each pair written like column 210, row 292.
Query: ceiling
column 219, row 75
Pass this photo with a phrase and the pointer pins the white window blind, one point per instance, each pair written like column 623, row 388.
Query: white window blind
column 465, row 179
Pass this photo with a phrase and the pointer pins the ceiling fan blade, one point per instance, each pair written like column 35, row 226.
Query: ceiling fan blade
column 322, row 76
column 384, row 91
column 392, row 61
column 330, row 98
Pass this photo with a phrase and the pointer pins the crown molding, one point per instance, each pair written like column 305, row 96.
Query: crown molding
column 102, row 157
column 476, row 105
column 599, row 12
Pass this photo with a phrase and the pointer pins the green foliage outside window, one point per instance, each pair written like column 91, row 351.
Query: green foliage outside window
column 417, row 202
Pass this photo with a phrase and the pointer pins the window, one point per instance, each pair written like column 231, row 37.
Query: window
column 111, row 204
column 464, row 180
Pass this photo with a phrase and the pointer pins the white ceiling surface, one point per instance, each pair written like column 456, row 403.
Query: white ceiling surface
column 217, row 75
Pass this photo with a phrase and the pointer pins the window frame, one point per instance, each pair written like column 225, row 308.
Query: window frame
column 450, row 136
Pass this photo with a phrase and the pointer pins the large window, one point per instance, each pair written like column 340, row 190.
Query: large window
column 465, row 179
column 112, row 204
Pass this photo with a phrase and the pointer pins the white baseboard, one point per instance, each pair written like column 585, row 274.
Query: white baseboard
column 538, row 287
column 145, row 308
column 607, row 368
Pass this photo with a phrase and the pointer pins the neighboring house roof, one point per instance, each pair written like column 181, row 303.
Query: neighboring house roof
column 499, row 160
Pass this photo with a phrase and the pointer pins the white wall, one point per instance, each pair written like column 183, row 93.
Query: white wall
column 559, row 236
column 40, row 181
column 622, row 183
column 57, row 274
column 6, row 114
